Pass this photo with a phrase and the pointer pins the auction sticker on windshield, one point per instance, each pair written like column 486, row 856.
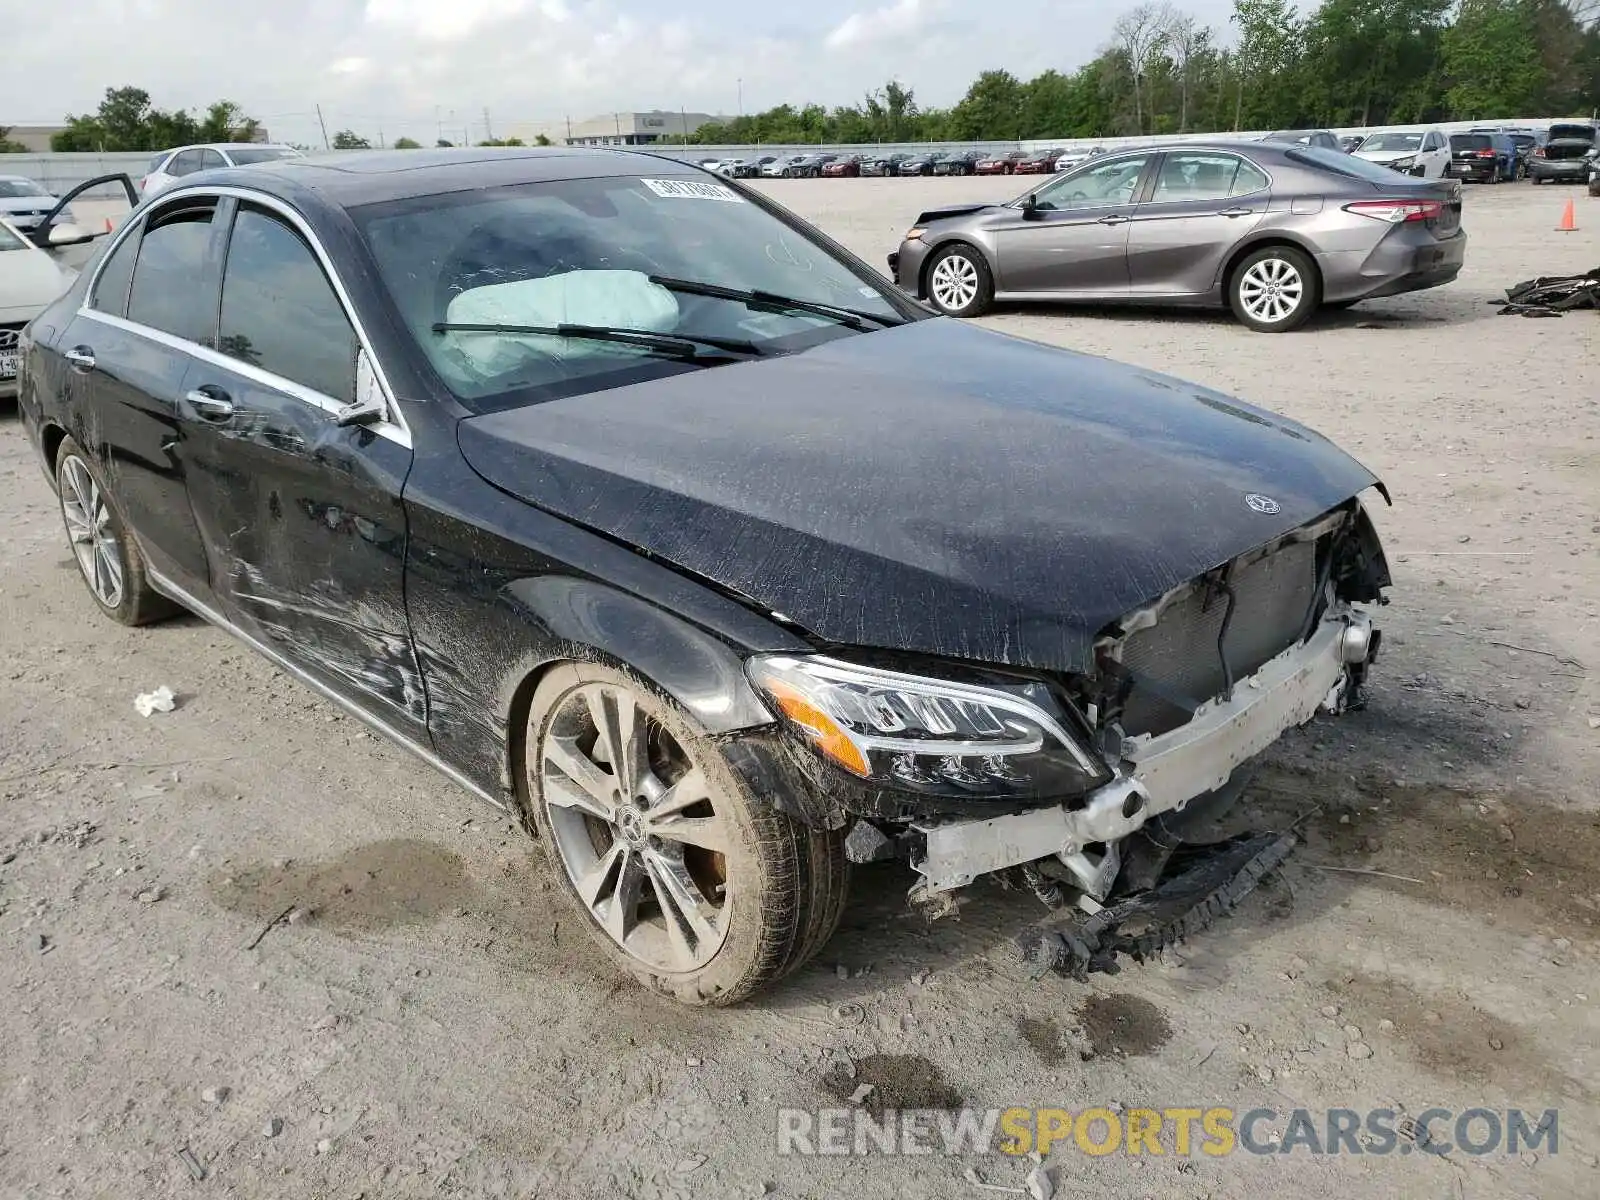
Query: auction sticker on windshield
column 691, row 189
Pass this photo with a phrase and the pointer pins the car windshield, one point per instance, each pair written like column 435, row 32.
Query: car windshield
column 243, row 156
column 16, row 189
column 1393, row 141
column 621, row 253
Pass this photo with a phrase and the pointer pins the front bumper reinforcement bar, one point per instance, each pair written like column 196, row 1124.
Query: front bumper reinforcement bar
column 1210, row 881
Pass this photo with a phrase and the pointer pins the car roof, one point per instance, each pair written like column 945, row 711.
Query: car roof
column 354, row 178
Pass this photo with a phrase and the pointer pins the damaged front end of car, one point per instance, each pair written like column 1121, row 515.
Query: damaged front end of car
column 1099, row 791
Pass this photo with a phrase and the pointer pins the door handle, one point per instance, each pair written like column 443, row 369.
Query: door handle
column 1235, row 212
column 211, row 403
column 1115, row 219
column 81, row 358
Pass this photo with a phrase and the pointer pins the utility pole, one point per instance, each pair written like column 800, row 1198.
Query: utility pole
column 488, row 129
column 326, row 144
column 741, row 96
column 439, row 121
column 569, row 129
column 382, row 145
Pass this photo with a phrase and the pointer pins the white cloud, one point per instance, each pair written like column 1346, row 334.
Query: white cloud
column 353, row 65
column 899, row 20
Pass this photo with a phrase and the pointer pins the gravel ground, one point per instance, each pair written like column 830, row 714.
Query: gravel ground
column 431, row 1029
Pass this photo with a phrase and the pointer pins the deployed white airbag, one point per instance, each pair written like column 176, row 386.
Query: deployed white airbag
column 605, row 299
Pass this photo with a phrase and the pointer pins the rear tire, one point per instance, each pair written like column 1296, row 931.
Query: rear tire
column 960, row 283
column 109, row 560
column 1274, row 289
column 707, row 922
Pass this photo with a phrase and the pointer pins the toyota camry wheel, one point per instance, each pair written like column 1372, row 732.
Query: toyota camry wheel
column 959, row 282
column 1274, row 290
column 682, row 875
column 109, row 559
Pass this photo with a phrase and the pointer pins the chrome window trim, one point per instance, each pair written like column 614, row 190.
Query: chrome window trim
column 395, row 428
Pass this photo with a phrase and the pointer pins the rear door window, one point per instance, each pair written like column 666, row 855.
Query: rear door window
column 210, row 160
column 167, row 292
column 185, row 163
column 1205, row 176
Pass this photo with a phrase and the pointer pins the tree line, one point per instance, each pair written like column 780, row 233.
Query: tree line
column 1342, row 63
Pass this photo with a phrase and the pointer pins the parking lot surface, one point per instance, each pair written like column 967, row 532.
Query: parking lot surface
column 431, row 1028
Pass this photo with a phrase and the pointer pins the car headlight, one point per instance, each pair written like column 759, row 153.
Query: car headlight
column 996, row 740
column 1402, row 164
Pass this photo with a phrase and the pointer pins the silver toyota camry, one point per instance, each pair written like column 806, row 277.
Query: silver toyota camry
column 1268, row 229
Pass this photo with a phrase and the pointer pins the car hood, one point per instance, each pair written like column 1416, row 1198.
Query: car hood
column 29, row 281
column 935, row 488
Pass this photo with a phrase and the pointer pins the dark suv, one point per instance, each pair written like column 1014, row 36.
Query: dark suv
column 1484, row 157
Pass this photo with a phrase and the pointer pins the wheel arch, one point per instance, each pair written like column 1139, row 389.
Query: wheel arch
column 1265, row 241
column 592, row 622
column 51, row 436
column 944, row 243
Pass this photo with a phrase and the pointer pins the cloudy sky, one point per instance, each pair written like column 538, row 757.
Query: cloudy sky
column 403, row 66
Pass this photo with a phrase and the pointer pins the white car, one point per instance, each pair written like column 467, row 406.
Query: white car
column 30, row 279
column 24, row 201
column 1074, row 158
column 170, row 166
column 1425, row 154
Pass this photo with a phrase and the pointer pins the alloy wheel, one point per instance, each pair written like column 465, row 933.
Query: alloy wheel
column 637, row 826
column 1271, row 290
column 954, row 282
column 93, row 534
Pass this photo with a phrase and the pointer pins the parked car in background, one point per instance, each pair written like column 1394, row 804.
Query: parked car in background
column 1349, row 142
column 884, row 164
column 647, row 585
column 1425, row 154
column 1197, row 224
column 1321, row 138
column 1482, row 157
column 958, row 162
column 1038, row 162
column 778, row 167
column 1068, row 159
column 170, row 166
column 1562, row 158
column 921, row 164
column 749, row 168
column 31, row 277
column 23, row 201
column 999, row 164
column 1594, row 175
column 846, row 167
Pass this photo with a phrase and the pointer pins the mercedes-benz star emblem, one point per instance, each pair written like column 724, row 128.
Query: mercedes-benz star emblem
column 1265, row 505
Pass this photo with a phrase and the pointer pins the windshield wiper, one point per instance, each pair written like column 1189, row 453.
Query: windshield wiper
column 761, row 301
column 678, row 346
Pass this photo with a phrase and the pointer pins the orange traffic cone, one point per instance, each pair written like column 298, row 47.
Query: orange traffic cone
column 1569, row 220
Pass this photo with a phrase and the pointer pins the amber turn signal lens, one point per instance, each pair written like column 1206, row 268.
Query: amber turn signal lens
column 822, row 729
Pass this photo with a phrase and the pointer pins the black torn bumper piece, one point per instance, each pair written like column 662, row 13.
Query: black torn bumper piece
column 1209, row 881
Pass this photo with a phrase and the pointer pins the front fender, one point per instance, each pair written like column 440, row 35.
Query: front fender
column 702, row 673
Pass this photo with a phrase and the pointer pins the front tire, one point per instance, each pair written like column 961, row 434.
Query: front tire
column 960, row 283
column 108, row 558
column 684, row 877
column 1274, row 290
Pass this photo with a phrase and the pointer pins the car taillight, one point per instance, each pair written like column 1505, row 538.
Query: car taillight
column 1396, row 212
column 1485, row 153
column 1538, row 151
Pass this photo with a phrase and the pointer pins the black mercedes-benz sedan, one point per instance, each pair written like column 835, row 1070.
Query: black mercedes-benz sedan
column 647, row 513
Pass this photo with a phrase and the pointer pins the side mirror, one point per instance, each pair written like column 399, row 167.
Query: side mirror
column 1030, row 207
column 67, row 234
column 369, row 407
